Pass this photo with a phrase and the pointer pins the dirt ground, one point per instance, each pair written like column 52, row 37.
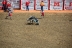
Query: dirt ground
column 54, row 31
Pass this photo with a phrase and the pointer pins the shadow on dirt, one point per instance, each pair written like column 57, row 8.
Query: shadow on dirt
column 70, row 20
column 31, row 24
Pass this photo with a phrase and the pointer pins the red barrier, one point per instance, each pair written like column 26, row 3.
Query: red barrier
column 34, row 4
column 0, row 7
column 49, row 5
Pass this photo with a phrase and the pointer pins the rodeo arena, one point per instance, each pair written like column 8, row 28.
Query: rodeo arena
column 35, row 23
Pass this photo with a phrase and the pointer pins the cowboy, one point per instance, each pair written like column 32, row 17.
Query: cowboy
column 9, row 14
column 4, row 5
column 42, row 4
column 27, row 5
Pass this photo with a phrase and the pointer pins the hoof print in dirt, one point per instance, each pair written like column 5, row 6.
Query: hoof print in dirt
column 6, row 18
column 70, row 20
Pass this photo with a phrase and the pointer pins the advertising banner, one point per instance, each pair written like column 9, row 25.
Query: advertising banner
column 23, row 6
column 38, row 4
column 68, row 5
column 16, row 3
column 56, row 4
column 1, row 3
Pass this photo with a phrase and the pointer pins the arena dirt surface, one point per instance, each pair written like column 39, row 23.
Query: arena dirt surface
column 35, row 11
column 54, row 31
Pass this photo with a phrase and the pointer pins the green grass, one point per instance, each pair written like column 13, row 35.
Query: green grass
column 54, row 31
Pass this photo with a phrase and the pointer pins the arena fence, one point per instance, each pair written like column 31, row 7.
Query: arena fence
column 49, row 4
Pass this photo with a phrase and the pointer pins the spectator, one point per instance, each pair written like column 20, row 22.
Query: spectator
column 42, row 4
column 27, row 5
column 4, row 5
